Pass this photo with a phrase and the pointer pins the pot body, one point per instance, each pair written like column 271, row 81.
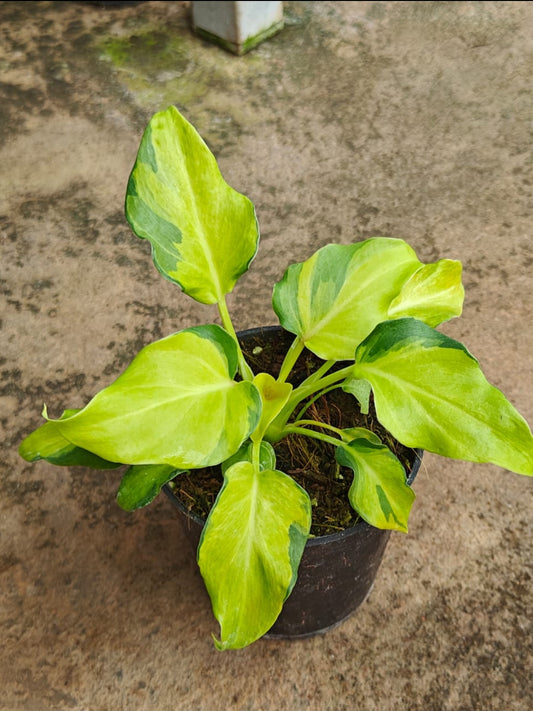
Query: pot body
column 336, row 572
column 336, row 575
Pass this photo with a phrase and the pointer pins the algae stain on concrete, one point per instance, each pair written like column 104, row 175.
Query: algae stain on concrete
column 150, row 51
column 154, row 66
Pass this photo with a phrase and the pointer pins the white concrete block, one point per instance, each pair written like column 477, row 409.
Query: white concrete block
column 237, row 26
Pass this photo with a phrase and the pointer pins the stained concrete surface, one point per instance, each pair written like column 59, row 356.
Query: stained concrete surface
column 407, row 119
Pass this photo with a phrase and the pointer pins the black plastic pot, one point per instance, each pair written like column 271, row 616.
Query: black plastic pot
column 337, row 571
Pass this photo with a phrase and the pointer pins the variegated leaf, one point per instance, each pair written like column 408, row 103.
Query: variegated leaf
column 274, row 396
column 250, row 550
column 430, row 392
column 334, row 299
column 203, row 233
column 379, row 492
column 433, row 294
column 176, row 404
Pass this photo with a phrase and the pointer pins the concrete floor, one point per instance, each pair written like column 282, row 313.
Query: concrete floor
column 406, row 119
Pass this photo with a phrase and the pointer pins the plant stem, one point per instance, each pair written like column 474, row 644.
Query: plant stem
column 276, row 429
column 319, row 373
column 314, row 399
column 316, row 423
column 256, row 455
column 244, row 369
column 290, row 359
column 293, row 429
column 307, row 389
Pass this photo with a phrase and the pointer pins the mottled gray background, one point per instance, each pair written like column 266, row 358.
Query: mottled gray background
column 405, row 119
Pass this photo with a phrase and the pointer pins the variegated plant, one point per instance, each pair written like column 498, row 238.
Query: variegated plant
column 179, row 407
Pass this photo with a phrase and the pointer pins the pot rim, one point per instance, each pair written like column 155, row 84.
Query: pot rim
column 311, row 540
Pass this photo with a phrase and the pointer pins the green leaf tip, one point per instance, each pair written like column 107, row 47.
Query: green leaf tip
column 47, row 442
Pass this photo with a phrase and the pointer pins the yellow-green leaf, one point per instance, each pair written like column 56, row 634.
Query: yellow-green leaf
column 334, row 299
column 203, row 233
column 433, row 294
column 176, row 404
column 430, row 392
column 250, row 550
column 379, row 492
column 274, row 396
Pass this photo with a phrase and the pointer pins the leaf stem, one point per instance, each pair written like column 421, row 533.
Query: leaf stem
column 307, row 389
column 256, row 455
column 290, row 359
column 314, row 399
column 244, row 369
column 294, row 429
column 327, row 365
column 316, row 423
column 276, row 429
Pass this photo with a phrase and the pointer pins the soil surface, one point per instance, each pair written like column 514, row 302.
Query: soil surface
column 310, row 462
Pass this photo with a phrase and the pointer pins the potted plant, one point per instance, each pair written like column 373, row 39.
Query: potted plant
column 366, row 313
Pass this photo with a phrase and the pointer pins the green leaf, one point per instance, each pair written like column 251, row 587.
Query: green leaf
column 433, row 294
column 250, row 550
column 142, row 483
column 351, row 433
column 267, row 456
column 47, row 443
column 334, row 299
column 379, row 492
column 176, row 404
column 203, row 233
column 361, row 389
column 430, row 392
